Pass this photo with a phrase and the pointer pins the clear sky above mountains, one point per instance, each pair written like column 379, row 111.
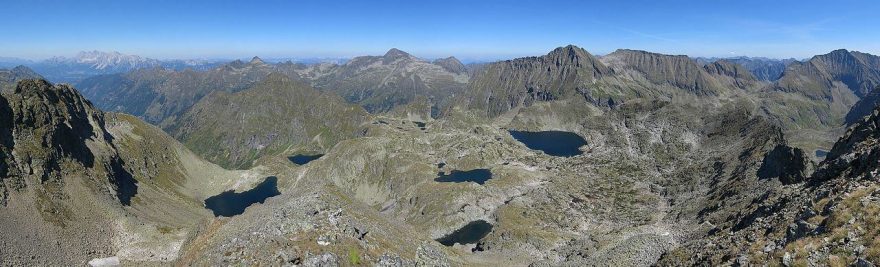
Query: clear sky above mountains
column 466, row 29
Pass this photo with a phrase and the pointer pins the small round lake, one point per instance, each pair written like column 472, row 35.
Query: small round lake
column 469, row 234
column 479, row 176
column 554, row 143
column 230, row 203
column 304, row 159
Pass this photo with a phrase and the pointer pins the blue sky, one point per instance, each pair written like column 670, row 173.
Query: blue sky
column 473, row 29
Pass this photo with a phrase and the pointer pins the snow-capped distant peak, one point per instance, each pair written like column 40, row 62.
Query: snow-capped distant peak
column 106, row 60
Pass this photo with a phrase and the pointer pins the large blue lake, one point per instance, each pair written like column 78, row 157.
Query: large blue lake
column 554, row 143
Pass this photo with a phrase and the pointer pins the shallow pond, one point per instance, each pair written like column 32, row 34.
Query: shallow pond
column 304, row 159
column 469, row 234
column 479, row 176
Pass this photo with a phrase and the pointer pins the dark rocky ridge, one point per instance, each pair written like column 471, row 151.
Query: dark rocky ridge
column 50, row 126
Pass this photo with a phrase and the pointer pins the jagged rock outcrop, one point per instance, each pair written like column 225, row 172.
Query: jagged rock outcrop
column 857, row 154
column 57, row 158
column 830, row 219
column 505, row 85
column 678, row 71
column 788, row 164
column 53, row 126
column 270, row 117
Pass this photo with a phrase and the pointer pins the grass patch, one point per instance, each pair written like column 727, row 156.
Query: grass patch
column 354, row 256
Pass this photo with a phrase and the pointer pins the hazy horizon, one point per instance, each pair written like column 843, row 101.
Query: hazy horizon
column 482, row 31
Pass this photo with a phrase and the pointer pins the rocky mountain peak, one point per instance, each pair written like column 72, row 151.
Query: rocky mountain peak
column 574, row 56
column 395, row 53
column 257, row 61
column 839, row 52
column 568, row 51
column 49, row 125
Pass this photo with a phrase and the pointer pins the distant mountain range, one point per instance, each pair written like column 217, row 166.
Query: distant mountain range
column 90, row 63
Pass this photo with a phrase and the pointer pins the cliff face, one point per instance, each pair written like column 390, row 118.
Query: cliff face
column 501, row 86
column 678, row 71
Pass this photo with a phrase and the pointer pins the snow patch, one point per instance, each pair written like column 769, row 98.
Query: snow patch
column 102, row 262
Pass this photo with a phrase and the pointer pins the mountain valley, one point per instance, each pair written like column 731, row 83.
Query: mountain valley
column 631, row 158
